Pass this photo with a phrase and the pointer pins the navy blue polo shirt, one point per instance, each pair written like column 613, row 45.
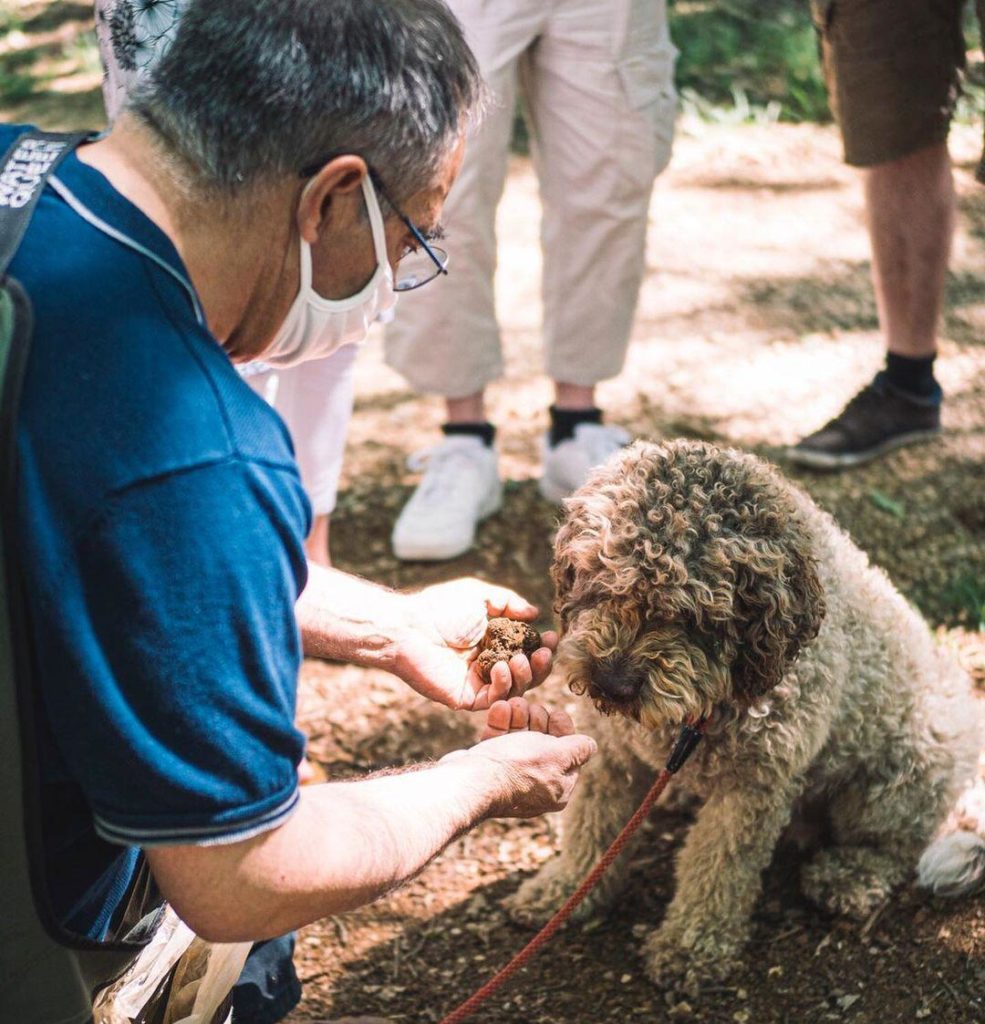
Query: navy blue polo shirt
column 161, row 521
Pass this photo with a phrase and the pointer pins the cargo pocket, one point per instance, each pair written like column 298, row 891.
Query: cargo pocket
column 648, row 82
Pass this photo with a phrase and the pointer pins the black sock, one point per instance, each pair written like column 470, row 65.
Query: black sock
column 564, row 421
column 485, row 431
column 914, row 376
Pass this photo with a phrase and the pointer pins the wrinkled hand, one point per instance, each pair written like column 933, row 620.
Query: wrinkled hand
column 519, row 715
column 535, row 754
column 537, row 772
column 436, row 653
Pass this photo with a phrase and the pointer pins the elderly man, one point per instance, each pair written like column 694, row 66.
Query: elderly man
column 256, row 200
column 314, row 400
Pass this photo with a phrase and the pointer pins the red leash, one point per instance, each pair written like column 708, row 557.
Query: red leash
column 689, row 738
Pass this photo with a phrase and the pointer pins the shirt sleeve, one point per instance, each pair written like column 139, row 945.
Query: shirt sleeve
column 177, row 619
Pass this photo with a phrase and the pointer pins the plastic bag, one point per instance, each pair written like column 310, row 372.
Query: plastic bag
column 178, row 978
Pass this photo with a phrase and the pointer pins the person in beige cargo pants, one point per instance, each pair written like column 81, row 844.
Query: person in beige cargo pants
column 596, row 80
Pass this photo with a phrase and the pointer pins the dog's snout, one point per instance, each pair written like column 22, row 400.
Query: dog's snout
column 617, row 679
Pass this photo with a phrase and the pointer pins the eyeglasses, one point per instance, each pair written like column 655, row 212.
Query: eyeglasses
column 417, row 267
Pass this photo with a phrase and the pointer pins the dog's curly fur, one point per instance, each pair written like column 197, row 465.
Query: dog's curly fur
column 697, row 581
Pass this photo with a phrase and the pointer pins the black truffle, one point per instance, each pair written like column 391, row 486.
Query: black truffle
column 503, row 639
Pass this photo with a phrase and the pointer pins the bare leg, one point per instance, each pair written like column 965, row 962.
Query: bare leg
column 910, row 206
column 573, row 396
column 470, row 409
column 316, row 544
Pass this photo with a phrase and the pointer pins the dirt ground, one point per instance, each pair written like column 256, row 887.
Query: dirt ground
column 756, row 322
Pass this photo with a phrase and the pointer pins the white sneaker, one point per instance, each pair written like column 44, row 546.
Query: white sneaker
column 460, row 487
column 567, row 465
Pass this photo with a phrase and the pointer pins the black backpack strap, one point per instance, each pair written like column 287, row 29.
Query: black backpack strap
column 42, row 979
column 24, row 168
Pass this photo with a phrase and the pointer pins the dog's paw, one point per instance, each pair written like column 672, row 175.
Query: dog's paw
column 851, row 881
column 539, row 897
column 678, row 965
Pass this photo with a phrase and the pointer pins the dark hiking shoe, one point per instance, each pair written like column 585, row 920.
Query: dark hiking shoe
column 877, row 420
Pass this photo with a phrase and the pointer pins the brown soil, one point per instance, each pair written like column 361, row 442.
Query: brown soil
column 756, row 322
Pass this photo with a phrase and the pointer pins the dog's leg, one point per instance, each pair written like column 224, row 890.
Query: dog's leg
column 880, row 824
column 719, row 872
column 603, row 802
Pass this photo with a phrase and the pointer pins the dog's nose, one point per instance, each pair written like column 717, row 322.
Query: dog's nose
column 617, row 679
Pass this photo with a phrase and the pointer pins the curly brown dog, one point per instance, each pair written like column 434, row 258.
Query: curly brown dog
column 697, row 581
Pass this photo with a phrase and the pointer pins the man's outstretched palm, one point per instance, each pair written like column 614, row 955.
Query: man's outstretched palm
column 437, row 654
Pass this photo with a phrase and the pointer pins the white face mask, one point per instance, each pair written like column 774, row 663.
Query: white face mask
column 316, row 327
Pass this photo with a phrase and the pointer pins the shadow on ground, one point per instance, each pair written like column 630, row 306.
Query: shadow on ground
column 49, row 66
column 416, row 963
column 51, row 16
column 922, row 519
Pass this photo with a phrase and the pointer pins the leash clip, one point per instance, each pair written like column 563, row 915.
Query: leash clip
column 689, row 738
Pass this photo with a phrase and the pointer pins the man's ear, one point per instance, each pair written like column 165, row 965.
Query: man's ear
column 339, row 177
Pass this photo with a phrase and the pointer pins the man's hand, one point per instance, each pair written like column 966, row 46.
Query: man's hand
column 332, row 854
column 538, row 755
column 436, row 653
column 538, row 772
column 519, row 715
column 427, row 639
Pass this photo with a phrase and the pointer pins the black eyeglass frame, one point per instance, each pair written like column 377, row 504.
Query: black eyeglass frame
column 441, row 264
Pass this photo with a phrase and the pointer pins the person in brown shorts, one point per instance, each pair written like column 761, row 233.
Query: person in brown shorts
column 893, row 74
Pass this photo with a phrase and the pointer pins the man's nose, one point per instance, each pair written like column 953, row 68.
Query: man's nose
column 618, row 679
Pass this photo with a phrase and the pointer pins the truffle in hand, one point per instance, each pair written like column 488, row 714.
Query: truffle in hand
column 503, row 639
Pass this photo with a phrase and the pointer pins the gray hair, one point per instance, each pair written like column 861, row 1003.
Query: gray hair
column 251, row 91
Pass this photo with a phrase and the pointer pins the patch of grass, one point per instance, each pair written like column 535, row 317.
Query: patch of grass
column 741, row 111
column 966, row 595
column 971, row 102
column 11, row 19
column 50, row 15
column 15, row 86
column 46, row 49
column 83, row 51
column 756, row 61
column 748, row 60
column 886, row 504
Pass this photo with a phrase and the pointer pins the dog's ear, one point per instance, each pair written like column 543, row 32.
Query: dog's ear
column 778, row 609
column 563, row 573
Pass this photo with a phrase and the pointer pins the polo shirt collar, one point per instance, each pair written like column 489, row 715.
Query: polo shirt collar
column 94, row 190
column 90, row 194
